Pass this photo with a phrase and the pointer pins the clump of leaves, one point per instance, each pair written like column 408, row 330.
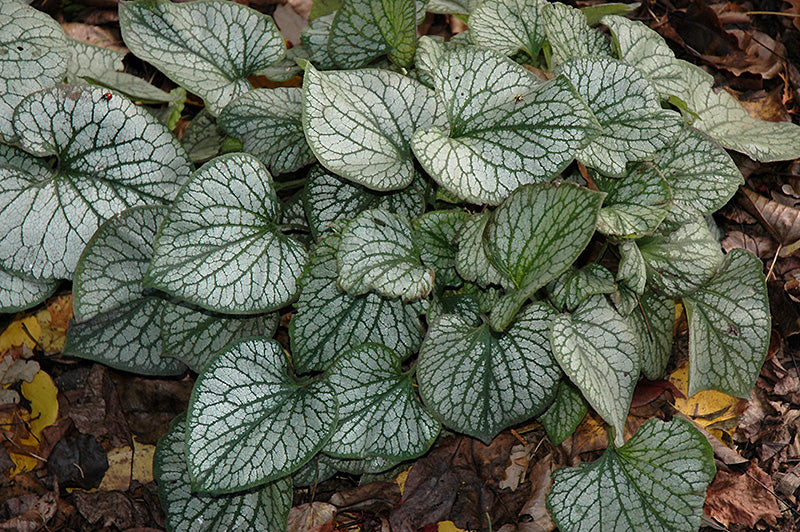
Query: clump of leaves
column 444, row 261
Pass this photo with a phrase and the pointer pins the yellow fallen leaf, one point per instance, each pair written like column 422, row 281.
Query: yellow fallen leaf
column 15, row 334
column 143, row 461
column 401, row 479
column 449, row 526
column 53, row 321
column 708, row 407
column 118, row 475
column 42, row 394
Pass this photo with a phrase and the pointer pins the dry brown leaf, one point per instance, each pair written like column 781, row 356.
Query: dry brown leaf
column 742, row 499
column 780, row 220
column 311, row 517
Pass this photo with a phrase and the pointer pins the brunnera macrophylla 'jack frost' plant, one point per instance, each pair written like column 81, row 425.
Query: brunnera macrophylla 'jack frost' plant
column 415, row 207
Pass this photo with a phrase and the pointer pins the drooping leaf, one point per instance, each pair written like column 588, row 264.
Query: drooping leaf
column 599, row 352
column 627, row 107
column 635, row 206
column 194, row 336
column 363, row 30
column 536, row 235
column 653, row 320
column 112, row 155
column 378, row 253
column 33, row 56
column 210, row 47
column 315, row 37
column 437, row 234
column 595, row 13
column 565, row 414
column 508, row 26
column 379, row 413
column 506, row 127
column 680, row 258
column 632, row 268
column 19, row 293
column 263, row 508
column 729, row 327
column 268, row 122
column 359, row 123
column 575, row 285
column 329, row 198
column 465, row 305
column 479, row 382
column 472, row 261
column 250, row 421
column 330, row 321
column 570, row 35
column 656, row 482
column 220, row 246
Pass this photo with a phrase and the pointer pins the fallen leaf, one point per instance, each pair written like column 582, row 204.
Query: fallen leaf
column 311, row 517
column 374, row 498
column 742, row 499
column 113, row 510
column 782, row 221
column 42, row 396
column 34, row 515
column 520, row 458
column 78, row 462
column 535, row 515
column 648, row 391
column 25, row 331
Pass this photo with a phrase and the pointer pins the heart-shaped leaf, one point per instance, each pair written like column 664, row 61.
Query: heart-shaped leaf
column 680, row 258
column 329, row 198
column 363, row 30
column 635, row 206
column 115, row 323
column 437, row 234
column 565, row 414
column 536, row 235
column 33, row 56
column 210, row 47
column 315, row 38
column 508, row 26
column 194, row 336
column 269, row 124
column 628, row 109
column 379, row 413
column 472, row 262
column 654, row 483
column 653, row 321
column 329, row 321
column 729, row 327
column 378, row 253
column 250, row 421
column 220, row 246
column 570, row 35
column 575, row 285
column 479, row 382
column 263, row 508
column 599, row 352
column 112, row 155
column 506, row 127
column 359, row 123
column 19, row 293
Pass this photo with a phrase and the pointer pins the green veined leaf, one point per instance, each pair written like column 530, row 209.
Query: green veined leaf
column 371, row 465
column 680, row 258
column 632, row 268
column 599, row 352
column 635, row 206
column 537, row 234
column 359, row 123
column 315, row 37
column 329, row 198
column 111, row 154
column 595, row 13
column 573, row 286
column 507, row 128
column 654, row 483
column 508, row 26
column 208, row 47
column 194, row 336
column 363, row 30
column 729, row 327
column 466, row 306
column 250, row 421
column 330, row 321
column 378, row 253
column 19, row 293
column 202, row 137
column 570, row 35
column 565, row 414
column 437, row 234
column 268, row 122
column 627, row 107
column 653, row 321
column 472, row 261
column 479, row 382
column 265, row 508
column 379, row 413
column 313, row 472
column 220, row 246
column 293, row 214
column 33, row 56
column 448, row 7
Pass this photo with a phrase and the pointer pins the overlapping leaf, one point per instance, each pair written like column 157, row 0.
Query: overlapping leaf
column 599, row 352
column 363, row 30
column 479, row 382
column 210, row 47
column 379, row 413
column 329, row 198
column 632, row 268
column 202, row 137
column 565, row 414
column 729, row 327
column 506, row 127
column 575, row 285
column 508, row 26
column 221, row 248
column 452, row 6
column 472, row 261
column 570, row 35
column 268, row 122
column 315, row 37
column 378, row 253
column 33, row 56
column 18, row 293
column 112, row 155
column 653, row 320
column 636, row 205
column 250, row 421
column 330, row 321
column 359, row 123
column 437, row 234
column 627, row 107
column 262, row 508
